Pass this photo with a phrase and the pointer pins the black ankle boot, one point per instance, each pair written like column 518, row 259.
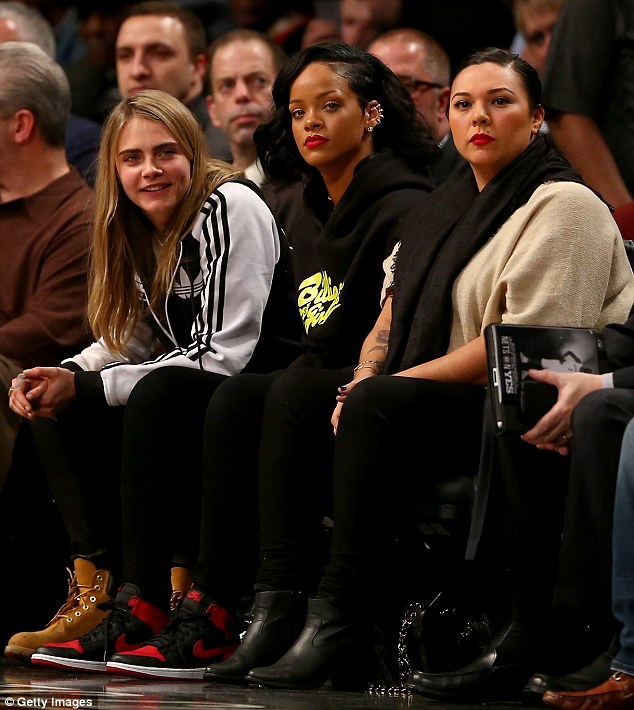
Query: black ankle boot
column 330, row 647
column 501, row 671
column 277, row 619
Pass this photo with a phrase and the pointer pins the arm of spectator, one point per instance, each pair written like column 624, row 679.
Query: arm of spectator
column 466, row 365
column 53, row 321
column 573, row 134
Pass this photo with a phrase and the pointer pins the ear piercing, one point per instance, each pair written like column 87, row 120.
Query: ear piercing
column 379, row 117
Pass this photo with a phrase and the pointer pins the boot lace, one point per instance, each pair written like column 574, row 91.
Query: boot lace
column 78, row 595
column 176, row 599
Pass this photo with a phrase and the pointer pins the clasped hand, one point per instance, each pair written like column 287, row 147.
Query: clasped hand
column 553, row 431
column 42, row 392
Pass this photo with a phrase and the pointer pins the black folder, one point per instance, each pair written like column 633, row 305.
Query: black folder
column 519, row 401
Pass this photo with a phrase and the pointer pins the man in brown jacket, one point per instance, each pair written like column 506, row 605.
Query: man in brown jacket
column 44, row 225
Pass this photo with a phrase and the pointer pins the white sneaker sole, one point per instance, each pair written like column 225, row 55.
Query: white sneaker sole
column 148, row 672
column 75, row 664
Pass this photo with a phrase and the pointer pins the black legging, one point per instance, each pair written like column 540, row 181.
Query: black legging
column 81, row 454
column 161, row 478
column 290, row 412
column 205, row 432
column 228, row 556
column 386, row 422
column 295, row 476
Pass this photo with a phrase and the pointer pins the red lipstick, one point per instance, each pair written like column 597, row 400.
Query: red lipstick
column 481, row 139
column 315, row 141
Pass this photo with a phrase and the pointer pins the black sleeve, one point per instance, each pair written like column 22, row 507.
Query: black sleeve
column 624, row 377
column 89, row 385
column 619, row 344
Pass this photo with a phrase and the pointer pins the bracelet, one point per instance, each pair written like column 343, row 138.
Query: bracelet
column 365, row 365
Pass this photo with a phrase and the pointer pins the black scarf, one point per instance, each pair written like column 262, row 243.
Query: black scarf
column 455, row 221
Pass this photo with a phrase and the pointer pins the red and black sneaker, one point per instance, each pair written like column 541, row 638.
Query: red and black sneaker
column 131, row 623
column 200, row 633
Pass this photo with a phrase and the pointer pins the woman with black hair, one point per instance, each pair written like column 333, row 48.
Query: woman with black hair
column 513, row 236
column 344, row 123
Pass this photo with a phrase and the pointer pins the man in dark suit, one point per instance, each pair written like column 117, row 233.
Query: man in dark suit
column 543, row 512
column 616, row 690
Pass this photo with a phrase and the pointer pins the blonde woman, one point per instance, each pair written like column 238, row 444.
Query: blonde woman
column 177, row 236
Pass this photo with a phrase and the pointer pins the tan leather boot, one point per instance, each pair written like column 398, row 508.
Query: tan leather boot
column 87, row 588
column 181, row 582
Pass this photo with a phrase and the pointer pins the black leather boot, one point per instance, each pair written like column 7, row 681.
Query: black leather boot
column 500, row 672
column 277, row 619
column 331, row 647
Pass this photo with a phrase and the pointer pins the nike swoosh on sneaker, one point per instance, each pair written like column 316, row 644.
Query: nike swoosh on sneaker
column 122, row 646
column 199, row 650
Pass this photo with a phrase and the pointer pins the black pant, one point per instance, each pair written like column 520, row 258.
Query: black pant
column 256, row 427
column 585, row 569
column 549, row 518
column 295, row 477
column 81, row 455
column 228, row 558
column 161, row 481
column 201, row 432
column 206, row 431
column 387, row 423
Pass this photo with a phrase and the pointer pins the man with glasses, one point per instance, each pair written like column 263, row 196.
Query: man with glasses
column 422, row 64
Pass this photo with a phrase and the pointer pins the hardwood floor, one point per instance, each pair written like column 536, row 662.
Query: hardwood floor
column 27, row 687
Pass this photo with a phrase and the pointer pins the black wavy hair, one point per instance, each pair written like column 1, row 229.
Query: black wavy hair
column 402, row 128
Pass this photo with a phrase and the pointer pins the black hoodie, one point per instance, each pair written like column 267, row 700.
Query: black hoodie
column 338, row 254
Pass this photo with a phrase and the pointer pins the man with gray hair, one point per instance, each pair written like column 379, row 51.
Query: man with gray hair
column 22, row 23
column 46, row 221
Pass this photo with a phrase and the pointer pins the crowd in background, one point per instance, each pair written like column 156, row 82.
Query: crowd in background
column 203, row 91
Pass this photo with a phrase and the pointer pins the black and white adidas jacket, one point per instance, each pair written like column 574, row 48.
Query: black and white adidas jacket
column 214, row 311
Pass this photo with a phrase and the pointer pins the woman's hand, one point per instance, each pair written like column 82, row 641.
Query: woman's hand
column 553, row 431
column 344, row 391
column 42, row 392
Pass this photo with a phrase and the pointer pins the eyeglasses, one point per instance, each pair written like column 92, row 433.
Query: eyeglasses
column 417, row 86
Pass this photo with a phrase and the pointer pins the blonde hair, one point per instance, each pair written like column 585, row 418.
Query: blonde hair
column 126, row 247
